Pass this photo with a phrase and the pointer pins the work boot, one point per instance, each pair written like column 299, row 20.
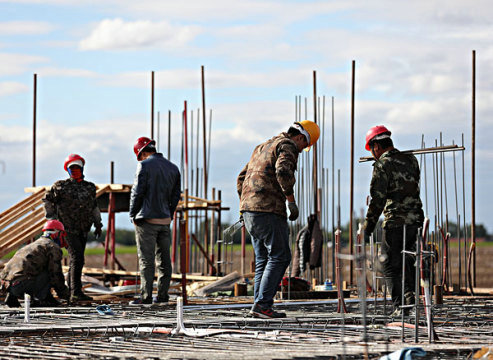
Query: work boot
column 74, row 298
column 49, row 300
column 259, row 312
column 12, row 301
column 140, row 301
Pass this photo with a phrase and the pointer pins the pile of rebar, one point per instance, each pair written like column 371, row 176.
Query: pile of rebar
column 312, row 329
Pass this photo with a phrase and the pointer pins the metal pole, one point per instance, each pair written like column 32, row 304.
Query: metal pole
column 35, row 81
column 315, row 164
column 473, row 165
column 333, row 198
column 169, row 135
column 152, row 104
column 351, row 167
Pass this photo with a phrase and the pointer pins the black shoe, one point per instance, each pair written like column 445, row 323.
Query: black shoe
column 259, row 312
column 79, row 297
column 12, row 301
column 49, row 300
column 138, row 302
column 160, row 301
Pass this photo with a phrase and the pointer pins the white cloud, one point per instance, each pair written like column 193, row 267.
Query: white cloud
column 12, row 87
column 25, row 28
column 117, row 34
column 15, row 64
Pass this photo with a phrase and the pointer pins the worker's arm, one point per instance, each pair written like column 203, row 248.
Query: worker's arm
column 96, row 213
column 241, row 179
column 138, row 191
column 49, row 202
column 175, row 196
column 57, row 281
column 287, row 161
column 378, row 192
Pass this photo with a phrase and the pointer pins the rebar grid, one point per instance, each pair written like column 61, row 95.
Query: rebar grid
column 462, row 325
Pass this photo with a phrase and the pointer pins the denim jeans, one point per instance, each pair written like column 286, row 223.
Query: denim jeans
column 270, row 239
column 153, row 248
column 392, row 245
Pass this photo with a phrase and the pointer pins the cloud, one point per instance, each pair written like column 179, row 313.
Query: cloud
column 12, row 87
column 66, row 72
column 117, row 34
column 15, row 64
column 25, row 28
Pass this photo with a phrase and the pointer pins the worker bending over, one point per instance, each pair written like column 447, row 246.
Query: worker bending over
column 36, row 268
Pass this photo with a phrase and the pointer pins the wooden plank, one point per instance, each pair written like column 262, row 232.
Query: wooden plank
column 28, row 234
column 101, row 271
column 14, row 216
column 29, row 200
column 18, row 226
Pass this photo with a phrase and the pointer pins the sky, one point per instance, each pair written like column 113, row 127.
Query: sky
column 93, row 60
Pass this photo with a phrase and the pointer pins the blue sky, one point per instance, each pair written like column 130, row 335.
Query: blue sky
column 94, row 58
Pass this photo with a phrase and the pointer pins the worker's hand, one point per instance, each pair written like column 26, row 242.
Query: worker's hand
column 293, row 211
column 97, row 232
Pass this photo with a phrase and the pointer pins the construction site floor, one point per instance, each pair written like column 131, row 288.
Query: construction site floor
column 219, row 329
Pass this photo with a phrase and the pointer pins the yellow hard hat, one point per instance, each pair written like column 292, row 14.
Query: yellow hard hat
column 312, row 129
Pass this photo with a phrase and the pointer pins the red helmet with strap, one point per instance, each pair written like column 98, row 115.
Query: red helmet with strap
column 140, row 145
column 57, row 225
column 73, row 159
column 374, row 131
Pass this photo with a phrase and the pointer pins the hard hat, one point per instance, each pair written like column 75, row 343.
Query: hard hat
column 74, row 159
column 52, row 225
column 375, row 131
column 313, row 131
column 140, row 145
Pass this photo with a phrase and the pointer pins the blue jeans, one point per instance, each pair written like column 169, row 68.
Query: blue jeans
column 270, row 239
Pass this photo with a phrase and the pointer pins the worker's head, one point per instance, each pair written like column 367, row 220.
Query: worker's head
column 378, row 140
column 55, row 230
column 144, row 147
column 304, row 133
column 74, row 165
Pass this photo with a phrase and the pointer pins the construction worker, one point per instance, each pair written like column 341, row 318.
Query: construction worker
column 36, row 268
column 394, row 189
column 73, row 202
column 264, row 185
column 153, row 201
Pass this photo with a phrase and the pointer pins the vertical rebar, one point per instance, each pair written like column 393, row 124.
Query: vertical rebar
column 35, row 86
column 351, row 167
column 403, row 278
column 333, row 196
column 152, row 104
column 473, row 165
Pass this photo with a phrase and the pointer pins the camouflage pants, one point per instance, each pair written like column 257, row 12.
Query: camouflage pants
column 392, row 245
column 153, row 243
column 38, row 287
column 76, row 247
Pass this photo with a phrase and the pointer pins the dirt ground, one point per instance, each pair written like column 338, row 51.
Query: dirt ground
column 484, row 265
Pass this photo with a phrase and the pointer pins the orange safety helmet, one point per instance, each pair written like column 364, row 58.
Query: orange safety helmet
column 57, row 225
column 140, row 145
column 73, row 159
column 374, row 131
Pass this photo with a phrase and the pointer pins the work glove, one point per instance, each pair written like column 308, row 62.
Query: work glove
column 293, row 211
column 97, row 232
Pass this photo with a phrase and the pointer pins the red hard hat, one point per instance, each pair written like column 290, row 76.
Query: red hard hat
column 140, row 145
column 53, row 225
column 73, row 159
column 57, row 225
column 374, row 131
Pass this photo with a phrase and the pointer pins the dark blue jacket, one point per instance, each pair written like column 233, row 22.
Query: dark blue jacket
column 156, row 190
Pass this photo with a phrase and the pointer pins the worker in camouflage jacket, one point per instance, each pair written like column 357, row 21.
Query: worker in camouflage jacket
column 73, row 202
column 264, row 185
column 394, row 189
column 36, row 268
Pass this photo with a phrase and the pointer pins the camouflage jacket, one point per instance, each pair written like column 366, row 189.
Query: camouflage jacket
column 74, row 204
column 31, row 260
column 394, row 190
column 268, row 178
